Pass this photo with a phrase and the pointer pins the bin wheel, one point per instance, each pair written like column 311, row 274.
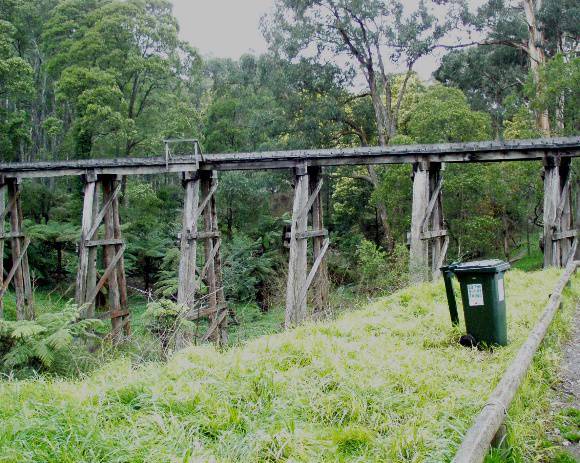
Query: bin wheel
column 467, row 340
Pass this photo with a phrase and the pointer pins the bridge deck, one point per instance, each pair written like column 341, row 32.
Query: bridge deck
column 489, row 151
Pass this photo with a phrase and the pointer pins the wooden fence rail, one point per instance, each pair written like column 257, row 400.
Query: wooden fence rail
column 479, row 437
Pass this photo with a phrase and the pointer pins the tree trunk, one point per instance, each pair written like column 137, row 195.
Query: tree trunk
column 536, row 42
column 382, row 210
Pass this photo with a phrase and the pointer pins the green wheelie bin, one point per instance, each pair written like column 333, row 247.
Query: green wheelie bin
column 483, row 296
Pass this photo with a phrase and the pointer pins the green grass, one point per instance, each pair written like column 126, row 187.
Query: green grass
column 386, row 383
column 530, row 262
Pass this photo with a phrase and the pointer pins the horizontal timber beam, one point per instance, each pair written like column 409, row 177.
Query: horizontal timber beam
column 489, row 151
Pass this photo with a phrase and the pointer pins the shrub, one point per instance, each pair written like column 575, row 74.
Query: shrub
column 51, row 343
column 380, row 271
column 164, row 319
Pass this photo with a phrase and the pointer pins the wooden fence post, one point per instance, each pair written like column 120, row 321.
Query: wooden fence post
column 296, row 309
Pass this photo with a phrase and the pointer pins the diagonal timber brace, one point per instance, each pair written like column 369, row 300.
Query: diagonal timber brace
column 113, row 248
column 559, row 229
column 307, row 201
column 202, row 184
column 428, row 238
column 19, row 275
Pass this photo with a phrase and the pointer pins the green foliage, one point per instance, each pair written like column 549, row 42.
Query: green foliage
column 165, row 320
column 443, row 115
column 386, row 383
column 51, row 343
column 380, row 271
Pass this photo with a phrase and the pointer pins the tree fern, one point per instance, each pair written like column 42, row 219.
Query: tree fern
column 46, row 343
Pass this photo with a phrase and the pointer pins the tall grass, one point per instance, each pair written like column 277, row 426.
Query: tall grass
column 387, row 383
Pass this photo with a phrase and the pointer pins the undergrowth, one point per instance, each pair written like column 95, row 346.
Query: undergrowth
column 387, row 383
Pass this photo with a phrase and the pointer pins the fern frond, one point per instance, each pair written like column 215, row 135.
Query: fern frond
column 60, row 339
column 26, row 329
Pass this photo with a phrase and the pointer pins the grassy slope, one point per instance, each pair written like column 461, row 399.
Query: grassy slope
column 388, row 383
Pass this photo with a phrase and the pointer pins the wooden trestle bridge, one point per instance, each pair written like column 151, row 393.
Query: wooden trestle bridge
column 101, row 223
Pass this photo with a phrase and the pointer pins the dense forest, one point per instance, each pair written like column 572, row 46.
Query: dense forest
column 111, row 78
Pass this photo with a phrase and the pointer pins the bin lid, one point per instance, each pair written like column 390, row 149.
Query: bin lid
column 481, row 266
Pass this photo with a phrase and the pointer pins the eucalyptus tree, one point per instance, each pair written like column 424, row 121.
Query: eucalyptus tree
column 376, row 40
column 16, row 88
column 120, row 69
column 539, row 29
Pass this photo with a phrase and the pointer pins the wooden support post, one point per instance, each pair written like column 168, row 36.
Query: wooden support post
column 437, row 244
column 558, row 228
column 419, row 251
column 2, row 231
column 21, row 280
column 187, row 261
column 119, row 248
column 428, row 238
column 321, row 284
column 576, row 208
column 113, row 259
column 296, row 309
column 86, row 274
column 217, row 331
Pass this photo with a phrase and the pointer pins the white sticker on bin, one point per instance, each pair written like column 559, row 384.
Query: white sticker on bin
column 500, row 290
column 475, row 294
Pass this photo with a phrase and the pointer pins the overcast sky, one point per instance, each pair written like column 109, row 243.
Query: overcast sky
column 230, row 28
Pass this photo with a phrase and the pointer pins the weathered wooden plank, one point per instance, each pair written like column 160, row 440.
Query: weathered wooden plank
column 564, row 219
column 8, row 236
column 220, row 293
column 321, row 284
column 109, row 271
column 113, row 241
column 432, row 202
column 112, row 256
column 440, row 244
column 314, row 195
column 208, row 262
column 21, row 279
column 313, row 271
column 308, row 234
column 511, row 150
column 210, row 277
column 99, row 218
column 14, row 269
column 296, row 309
column 121, row 277
column 86, row 224
column 207, row 198
column 430, row 234
column 442, row 254
column 419, row 250
column 563, row 235
column 551, row 200
column 186, row 278
column 2, row 217
column 92, row 253
column 6, row 209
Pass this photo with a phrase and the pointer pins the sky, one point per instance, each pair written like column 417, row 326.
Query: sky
column 222, row 28
column 230, row 28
